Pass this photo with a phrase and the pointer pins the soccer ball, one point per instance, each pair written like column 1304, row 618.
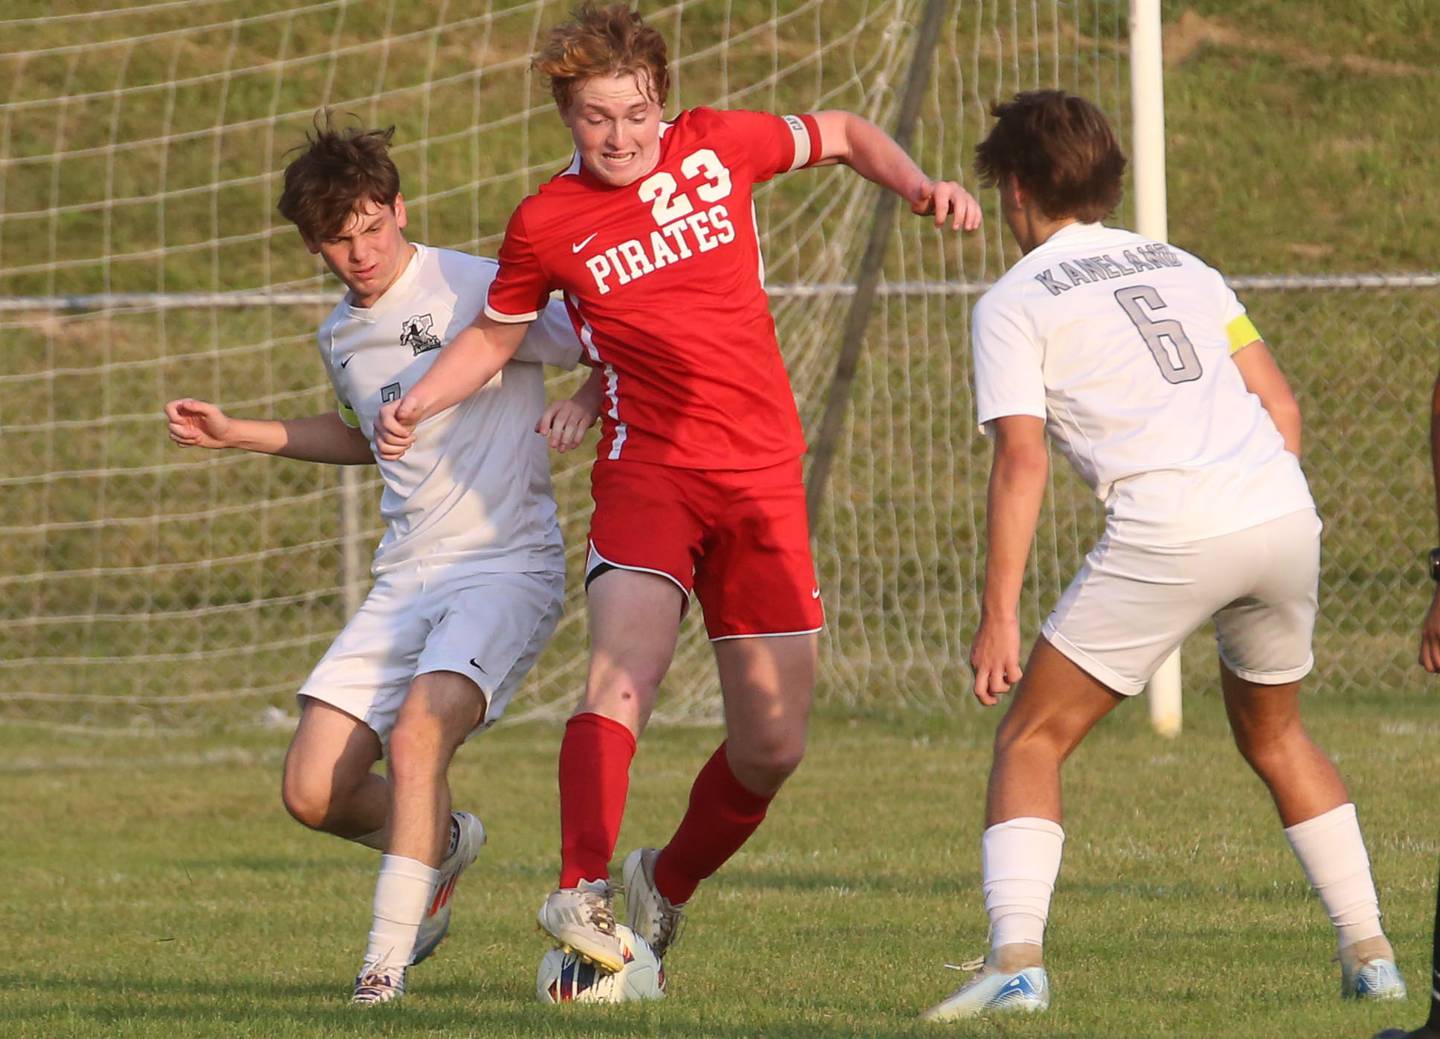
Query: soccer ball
column 565, row 978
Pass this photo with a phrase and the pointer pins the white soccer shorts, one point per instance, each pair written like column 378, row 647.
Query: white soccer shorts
column 489, row 627
column 1130, row 605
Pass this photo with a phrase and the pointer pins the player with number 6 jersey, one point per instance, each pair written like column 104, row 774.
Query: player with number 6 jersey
column 1144, row 369
column 1167, row 436
column 650, row 235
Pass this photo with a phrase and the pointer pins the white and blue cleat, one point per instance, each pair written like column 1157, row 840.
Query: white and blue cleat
column 1377, row 980
column 994, row 991
column 1368, row 971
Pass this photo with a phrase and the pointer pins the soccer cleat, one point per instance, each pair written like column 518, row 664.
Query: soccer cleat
column 437, row 917
column 993, row 991
column 1377, row 980
column 1368, row 971
column 647, row 912
column 378, row 985
column 582, row 920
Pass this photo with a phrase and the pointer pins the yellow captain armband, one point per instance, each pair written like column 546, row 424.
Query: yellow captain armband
column 1242, row 332
column 348, row 416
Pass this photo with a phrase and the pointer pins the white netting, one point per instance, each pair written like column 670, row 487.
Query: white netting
column 140, row 151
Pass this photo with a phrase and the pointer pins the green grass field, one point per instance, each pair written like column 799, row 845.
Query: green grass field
column 159, row 889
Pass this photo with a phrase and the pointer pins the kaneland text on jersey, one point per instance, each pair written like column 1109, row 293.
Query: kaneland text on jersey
column 1084, row 270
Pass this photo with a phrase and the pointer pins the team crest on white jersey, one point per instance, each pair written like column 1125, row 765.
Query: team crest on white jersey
column 415, row 333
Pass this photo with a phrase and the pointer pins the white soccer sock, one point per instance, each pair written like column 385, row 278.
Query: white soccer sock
column 1020, row 859
column 402, row 894
column 1332, row 853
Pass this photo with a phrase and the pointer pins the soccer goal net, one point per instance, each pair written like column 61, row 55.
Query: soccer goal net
column 141, row 258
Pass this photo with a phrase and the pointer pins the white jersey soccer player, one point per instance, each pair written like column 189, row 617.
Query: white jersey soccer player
column 1165, row 433
column 470, row 572
column 1144, row 370
column 471, row 530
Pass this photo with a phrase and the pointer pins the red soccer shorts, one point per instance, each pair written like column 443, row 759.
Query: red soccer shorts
column 738, row 538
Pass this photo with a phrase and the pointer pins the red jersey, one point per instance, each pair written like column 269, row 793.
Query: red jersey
column 664, row 281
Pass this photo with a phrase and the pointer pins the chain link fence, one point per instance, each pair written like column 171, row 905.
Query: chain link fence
column 144, row 586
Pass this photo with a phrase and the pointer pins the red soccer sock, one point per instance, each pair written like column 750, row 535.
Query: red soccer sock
column 721, row 817
column 594, row 781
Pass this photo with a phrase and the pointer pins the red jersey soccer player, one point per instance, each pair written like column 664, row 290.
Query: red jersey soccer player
column 650, row 234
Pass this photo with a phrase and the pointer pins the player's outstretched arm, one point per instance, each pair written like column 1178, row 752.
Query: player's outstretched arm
column 1017, row 486
column 466, row 363
column 565, row 421
column 1264, row 378
column 871, row 152
column 318, row 438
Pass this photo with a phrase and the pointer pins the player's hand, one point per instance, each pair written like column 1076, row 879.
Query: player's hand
column 395, row 428
column 197, row 423
column 995, row 658
column 946, row 200
column 1430, row 636
column 565, row 423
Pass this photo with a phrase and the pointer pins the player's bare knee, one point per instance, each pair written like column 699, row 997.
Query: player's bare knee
column 764, row 766
column 1019, row 734
column 419, row 747
column 307, row 798
column 622, row 693
column 1271, row 751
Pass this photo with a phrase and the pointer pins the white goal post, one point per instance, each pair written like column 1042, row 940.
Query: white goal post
column 1147, row 106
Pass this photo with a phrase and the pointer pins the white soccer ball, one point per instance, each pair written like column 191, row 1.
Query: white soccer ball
column 565, row 978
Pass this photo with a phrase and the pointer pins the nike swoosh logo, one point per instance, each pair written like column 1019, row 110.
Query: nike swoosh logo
column 575, row 247
column 476, row 665
column 815, row 593
column 347, row 360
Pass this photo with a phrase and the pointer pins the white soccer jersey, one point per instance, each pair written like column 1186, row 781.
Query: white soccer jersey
column 1122, row 345
column 474, row 488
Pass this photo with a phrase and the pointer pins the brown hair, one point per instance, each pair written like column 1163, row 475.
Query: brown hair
column 603, row 41
column 1061, row 150
column 337, row 171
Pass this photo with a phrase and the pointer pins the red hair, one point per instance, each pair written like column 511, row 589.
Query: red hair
column 604, row 41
